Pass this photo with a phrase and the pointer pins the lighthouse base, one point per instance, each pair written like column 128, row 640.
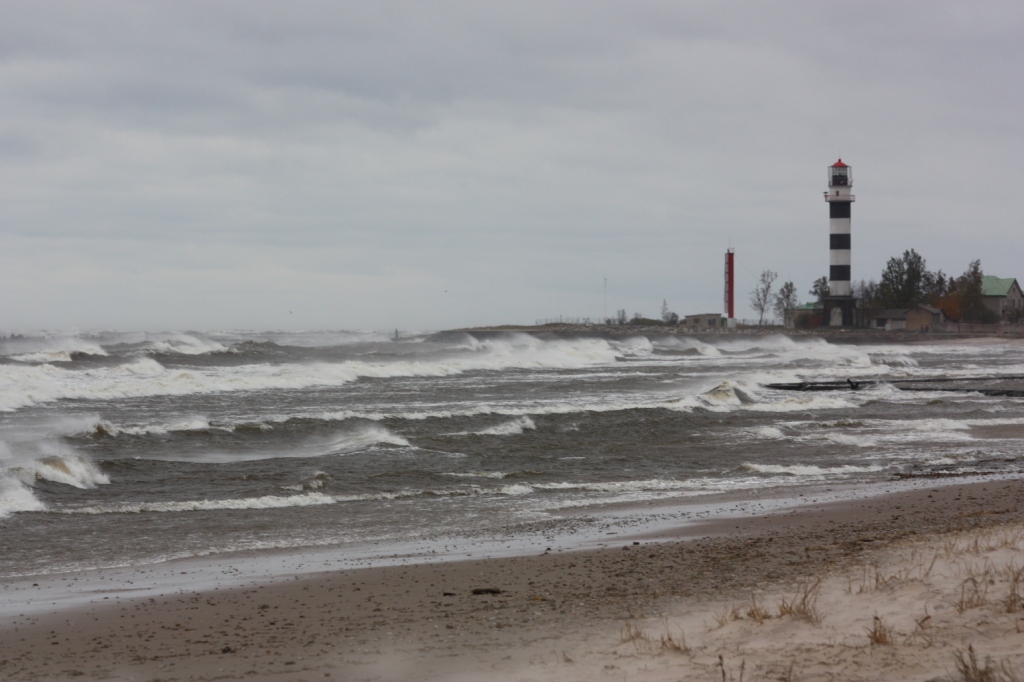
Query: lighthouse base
column 839, row 311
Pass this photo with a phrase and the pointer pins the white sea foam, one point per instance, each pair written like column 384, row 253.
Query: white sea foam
column 722, row 398
column 526, row 409
column 16, row 497
column 44, row 356
column 860, row 441
column 648, row 485
column 476, row 474
column 185, row 344
column 995, row 421
column 28, row 385
column 48, row 348
column 310, row 499
column 687, row 343
column 360, row 438
column 809, row 469
column 639, row 346
column 310, row 339
column 516, row 489
column 68, row 469
column 315, row 482
column 513, row 427
column 767, row 432
column 265, row 502
column 194, row 424
column 348, row 441
column 804, row 403
column 928, row 425
column 27, row 460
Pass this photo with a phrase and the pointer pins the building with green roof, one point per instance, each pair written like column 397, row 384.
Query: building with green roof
column 1003, row 296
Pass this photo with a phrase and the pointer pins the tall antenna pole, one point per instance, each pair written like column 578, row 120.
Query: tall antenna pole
column 605, row 318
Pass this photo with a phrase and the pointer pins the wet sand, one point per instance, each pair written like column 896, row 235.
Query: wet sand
column 547, row 616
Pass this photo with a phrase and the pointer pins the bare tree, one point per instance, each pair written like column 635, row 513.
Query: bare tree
column 761, row 296
column 667, row 316
column 866, row 290
column 784, row 300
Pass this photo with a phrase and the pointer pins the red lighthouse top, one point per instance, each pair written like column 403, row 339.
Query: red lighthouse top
column 840, row 175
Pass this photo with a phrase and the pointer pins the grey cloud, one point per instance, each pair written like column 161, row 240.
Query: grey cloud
column 554, row 143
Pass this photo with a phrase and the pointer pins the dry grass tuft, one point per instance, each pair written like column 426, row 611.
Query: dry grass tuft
column 921, row 630
column 646, row 644
column 726, row 615
column 727, row 676
column 981, row 542
column 1014, row 601
column 971, row 671
column 973, row 593
column 914, row 567
column 631, row 632
column 756, row 612
column 804, row 604
column 880, row 634
column 674, row 644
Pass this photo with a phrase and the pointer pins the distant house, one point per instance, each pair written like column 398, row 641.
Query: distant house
column 803, row 316
column 925, row 318
column 1003, row 296
column 706, row 320
column 889, row 319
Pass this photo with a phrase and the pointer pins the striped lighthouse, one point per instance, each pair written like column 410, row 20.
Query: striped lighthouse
column 840, row 304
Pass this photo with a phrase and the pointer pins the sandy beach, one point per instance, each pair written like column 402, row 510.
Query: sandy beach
column 935, row 566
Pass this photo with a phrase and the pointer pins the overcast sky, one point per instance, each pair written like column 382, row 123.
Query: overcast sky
column 424, row 165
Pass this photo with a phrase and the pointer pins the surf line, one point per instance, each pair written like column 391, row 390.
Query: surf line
column 909, row 385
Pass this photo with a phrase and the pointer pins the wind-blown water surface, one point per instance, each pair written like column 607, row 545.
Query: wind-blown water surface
column 131, row 448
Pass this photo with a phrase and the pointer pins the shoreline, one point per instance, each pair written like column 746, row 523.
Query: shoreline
column 384, row 622
column 565, row 530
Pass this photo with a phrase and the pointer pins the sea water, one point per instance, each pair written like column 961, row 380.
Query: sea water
column 130, row 449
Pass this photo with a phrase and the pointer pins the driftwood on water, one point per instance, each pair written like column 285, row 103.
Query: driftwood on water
column 912, row 385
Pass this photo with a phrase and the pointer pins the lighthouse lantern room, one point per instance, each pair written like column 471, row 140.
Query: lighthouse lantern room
column 840, row 305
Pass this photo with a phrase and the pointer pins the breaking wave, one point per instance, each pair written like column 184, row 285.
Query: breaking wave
column 346, row 442
column 184, row 344
column 24, row 464
column 809, row 469
column 16, row 497
column 105, row 428
column 311, row 499
column 513, row 427
column 360, row 439
column 49, row 349
column 30, row 385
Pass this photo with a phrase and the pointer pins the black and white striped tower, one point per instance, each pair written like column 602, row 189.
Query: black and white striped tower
column 840, row 304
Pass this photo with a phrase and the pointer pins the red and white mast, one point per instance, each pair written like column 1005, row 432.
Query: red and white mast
column 730, row 284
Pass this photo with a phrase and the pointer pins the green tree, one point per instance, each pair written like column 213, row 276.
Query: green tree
column 936, row 286
column 964, row 301
column 784, row 300
column 820, row 288
column 905, row 282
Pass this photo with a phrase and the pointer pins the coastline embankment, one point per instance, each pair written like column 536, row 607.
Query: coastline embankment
column 856, row 335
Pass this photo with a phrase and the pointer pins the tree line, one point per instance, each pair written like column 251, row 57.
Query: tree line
column 906, row 282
